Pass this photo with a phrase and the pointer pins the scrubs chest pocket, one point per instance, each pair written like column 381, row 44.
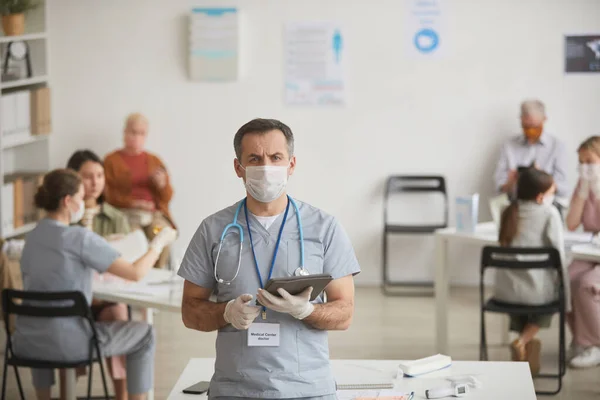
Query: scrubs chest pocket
column 313, row 256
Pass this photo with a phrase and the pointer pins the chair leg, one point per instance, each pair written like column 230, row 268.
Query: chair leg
column 483, row 351
column 4, row 375
column 562, row 343
column 384, row 265
column 19, row 383
column 90, row 379
column 102, row 372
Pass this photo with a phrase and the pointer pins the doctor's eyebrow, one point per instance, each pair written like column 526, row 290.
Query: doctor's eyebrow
column 260, row 157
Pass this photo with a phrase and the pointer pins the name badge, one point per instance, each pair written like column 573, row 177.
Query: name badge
column 265, row 335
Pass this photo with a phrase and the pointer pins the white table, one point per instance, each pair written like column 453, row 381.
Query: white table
column 159, row 290
column 486, row 234
column 501, row 380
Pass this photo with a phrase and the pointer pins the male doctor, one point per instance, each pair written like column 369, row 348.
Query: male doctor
column 279, row 351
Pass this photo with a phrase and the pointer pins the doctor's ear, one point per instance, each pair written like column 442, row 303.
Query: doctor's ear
column 292, row 165
column 238, row 168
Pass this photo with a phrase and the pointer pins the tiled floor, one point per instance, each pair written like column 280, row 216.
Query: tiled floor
column 383, row 328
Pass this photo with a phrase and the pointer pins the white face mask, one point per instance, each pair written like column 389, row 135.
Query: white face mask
column 549, row 200
column 77, row 215
column 589, row 171
column 266, row 183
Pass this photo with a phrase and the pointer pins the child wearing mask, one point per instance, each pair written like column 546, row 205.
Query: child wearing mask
column 530, row 221
column 584, row 320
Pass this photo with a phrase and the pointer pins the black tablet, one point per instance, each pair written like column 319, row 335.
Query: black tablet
column 297, row 284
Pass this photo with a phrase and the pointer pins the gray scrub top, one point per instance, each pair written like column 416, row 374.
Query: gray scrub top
column 57, row 257
column 299, row 367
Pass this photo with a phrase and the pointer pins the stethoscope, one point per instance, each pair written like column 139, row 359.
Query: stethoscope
column 300, row 271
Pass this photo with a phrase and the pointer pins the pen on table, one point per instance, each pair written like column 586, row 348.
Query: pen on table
column 411, row 395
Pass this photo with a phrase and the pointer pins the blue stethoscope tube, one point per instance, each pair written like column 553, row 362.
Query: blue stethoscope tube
column 235, row 225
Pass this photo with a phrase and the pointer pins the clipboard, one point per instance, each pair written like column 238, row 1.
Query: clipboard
column 296, row 284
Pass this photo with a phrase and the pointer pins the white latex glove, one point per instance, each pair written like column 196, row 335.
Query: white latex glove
column 298, row 306
column 165, row 237
column 239, row 313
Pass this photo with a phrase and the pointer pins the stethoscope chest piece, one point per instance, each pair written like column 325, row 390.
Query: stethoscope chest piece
column 301, row 271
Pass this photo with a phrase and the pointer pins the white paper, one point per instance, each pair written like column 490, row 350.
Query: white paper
column 131, row 246
column 578, row 237
column 314, row 60
column 353, row 394
column 425, row 28
column 263, row 335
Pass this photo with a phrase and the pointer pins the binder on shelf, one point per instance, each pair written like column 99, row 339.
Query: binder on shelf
column 18, row 201
column 9, row 114
column 23, row 102
column 23, row 204
column 7, row 209
column 41, row 123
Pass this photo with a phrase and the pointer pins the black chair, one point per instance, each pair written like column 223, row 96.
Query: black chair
column 516, row 258
column 409, row 184
column 44, row 305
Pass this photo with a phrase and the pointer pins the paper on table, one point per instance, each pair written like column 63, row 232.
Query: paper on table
column 578, row 237
column 131, row 246
column 371, row 395
column 353, row 394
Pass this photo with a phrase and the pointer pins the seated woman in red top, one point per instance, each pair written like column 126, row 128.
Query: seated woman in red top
column 138, row 183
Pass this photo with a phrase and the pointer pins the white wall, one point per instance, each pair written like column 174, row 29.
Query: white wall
column 445, row 116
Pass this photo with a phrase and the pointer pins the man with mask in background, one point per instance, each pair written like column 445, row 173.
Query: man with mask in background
column 535, row 147
column 234, row 253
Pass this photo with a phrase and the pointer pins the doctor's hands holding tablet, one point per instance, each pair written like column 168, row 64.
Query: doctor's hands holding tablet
column 284, row 295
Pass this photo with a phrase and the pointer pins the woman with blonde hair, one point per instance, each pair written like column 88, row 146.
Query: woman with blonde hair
column 584, row 320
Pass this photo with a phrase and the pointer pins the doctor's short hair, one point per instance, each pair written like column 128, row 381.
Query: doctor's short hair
column 533, row 107
column 260, row 126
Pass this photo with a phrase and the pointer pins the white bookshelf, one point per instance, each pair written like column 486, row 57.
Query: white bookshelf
column 25, row 37
column 24, row 83
column 23, row 152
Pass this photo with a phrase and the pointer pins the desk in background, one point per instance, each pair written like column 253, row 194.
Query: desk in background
column 501, row 380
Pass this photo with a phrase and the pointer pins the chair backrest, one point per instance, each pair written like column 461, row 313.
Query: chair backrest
column 522, row 258
column 44, row 305
column 416, row 184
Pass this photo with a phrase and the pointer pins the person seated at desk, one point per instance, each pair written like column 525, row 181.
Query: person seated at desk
column 138, row 183
column 59, row 256
column 531, row 221
column 108, row 222
column 584, row 320
column 534, row 147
